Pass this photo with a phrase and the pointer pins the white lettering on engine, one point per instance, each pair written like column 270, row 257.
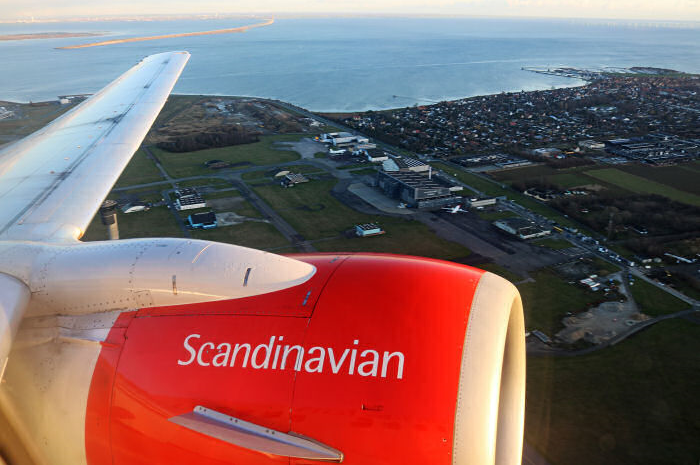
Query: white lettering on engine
column 273, row 355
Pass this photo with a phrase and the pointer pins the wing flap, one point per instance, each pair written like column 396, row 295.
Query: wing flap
column 53, row 182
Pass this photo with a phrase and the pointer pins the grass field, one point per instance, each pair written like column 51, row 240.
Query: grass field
column 641, row 185
column 549, row 298
column 221, row 194
column 311, row 209
column 140, row 170
column 156, row 222
column 603, row 267
column 213, row 182
column 402, row 237
column 634, row 403
column 248, row 234
column 569, row 180
column 682, row 177
column 654, row 301
column 500, row 271
column 180, row 165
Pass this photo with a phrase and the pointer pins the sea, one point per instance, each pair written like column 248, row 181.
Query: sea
column 346, row 64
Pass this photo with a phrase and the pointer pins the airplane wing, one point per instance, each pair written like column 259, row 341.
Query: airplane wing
column 53, row 182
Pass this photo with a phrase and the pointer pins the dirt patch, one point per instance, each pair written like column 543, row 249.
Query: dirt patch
column 231, row 218
column 602, row 323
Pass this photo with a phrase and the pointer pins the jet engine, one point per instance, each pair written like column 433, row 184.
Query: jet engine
column 359, row 358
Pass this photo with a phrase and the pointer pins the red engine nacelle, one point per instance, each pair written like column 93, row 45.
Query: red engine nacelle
column 383, row 359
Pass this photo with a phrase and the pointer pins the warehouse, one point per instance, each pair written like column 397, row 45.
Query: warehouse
column 416, row 190
column 521, row 228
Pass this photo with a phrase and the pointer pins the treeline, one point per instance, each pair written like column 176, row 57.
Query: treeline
column 223, row 136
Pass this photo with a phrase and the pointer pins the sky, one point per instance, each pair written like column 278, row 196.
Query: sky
column 657, row 10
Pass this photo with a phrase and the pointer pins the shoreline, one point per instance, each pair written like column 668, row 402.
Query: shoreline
column 48, row 35
column 170, row 36
column 320, row 112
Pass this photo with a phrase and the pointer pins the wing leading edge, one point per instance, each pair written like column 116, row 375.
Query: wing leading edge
column 53, row 181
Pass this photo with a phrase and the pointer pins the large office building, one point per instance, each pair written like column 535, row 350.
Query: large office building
column 416, row 190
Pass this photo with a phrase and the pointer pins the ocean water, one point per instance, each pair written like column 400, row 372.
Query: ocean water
column 345, row 64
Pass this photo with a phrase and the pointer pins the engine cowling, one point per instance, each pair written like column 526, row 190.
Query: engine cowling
column 384, row 359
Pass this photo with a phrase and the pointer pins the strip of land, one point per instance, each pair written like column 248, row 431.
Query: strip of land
column 49, row 35
column 170, row 36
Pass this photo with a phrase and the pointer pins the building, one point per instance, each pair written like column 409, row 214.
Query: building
column 483, row 202
column 343, row 139
column 656, row 148
column 416, row 190
column 292, row 179
column 521, row 228
column 188, row 199
column 375, row 155
column 368, row 229
column 202, row 220
column 411, row 164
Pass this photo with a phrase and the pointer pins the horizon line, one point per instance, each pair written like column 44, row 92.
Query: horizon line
column 311, row 14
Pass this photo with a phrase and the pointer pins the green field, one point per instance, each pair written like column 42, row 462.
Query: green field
column 221, row 194
column 500, row 271
column 181, row 165
column 156, row 222
column 401, row 237
column 140, row 170
column 569, row 180
column 248, row 234
column 311, row 209
column 634, row 403
column 654, row 301
column 640, row 185
column 213, row 182
column 547, row 300
column 683, row 177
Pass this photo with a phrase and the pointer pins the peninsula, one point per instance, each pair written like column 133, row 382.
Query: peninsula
column 48, row 35
column 170, row 36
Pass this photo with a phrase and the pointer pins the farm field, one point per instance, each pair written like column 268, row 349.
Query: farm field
column 683, row 177
column 635, row 402
column 641, row 185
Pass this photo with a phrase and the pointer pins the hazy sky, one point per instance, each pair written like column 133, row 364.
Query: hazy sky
column 627, row 9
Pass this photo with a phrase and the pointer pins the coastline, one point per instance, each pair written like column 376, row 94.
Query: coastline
column 48, row 35
column 170, row 36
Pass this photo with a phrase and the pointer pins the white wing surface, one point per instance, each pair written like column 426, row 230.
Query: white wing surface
column 53, row 181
